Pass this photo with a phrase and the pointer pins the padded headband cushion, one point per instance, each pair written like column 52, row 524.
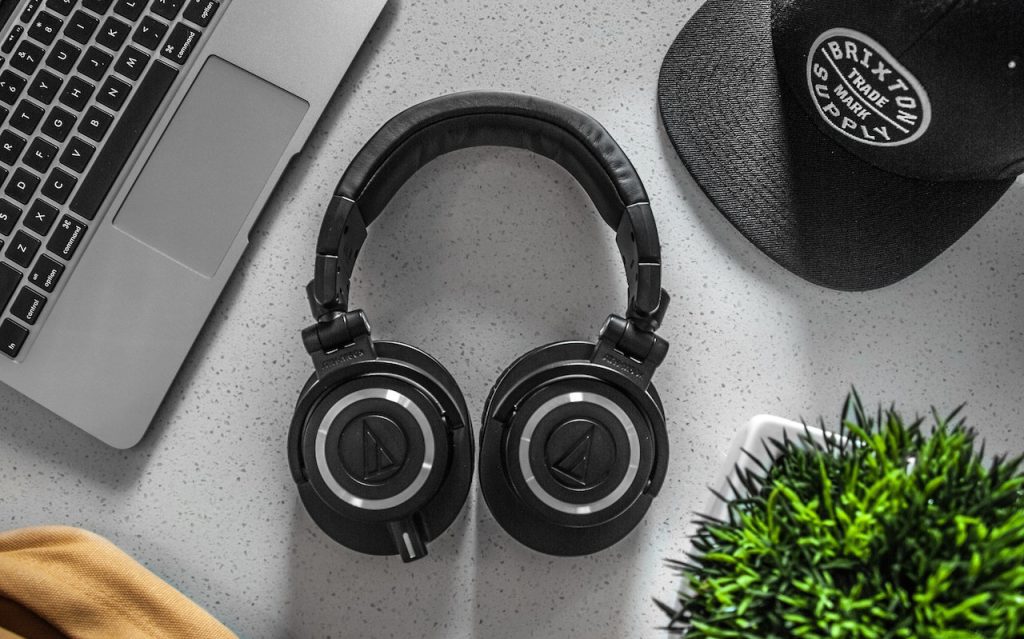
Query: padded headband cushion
column 428, row 130
column 415, row 137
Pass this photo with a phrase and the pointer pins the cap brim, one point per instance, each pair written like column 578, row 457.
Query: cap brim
column 804, row 200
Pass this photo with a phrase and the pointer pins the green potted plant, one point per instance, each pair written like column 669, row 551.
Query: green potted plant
column 884, row 529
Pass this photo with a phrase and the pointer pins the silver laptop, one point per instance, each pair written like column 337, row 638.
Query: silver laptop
column 139, row 141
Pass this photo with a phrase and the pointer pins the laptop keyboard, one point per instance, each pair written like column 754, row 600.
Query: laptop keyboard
column 80, row 81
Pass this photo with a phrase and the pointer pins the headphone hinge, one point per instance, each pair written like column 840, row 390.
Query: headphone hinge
column 630, row 349
column 338, row 338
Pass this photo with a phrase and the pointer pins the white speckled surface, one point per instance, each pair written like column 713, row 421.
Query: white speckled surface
column 484, row 255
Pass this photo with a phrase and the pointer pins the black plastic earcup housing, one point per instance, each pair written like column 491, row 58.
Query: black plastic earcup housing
column 571, row 452
column 382, row 451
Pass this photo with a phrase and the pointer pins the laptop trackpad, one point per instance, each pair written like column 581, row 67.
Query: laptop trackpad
column 211, row 164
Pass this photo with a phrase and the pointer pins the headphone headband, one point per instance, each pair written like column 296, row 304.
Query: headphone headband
column 426, row 131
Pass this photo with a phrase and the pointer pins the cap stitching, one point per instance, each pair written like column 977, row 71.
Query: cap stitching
column 945, row 14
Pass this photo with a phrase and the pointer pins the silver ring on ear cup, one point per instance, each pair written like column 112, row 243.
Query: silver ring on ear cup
column 633, row 465
column 521, row 399
column 321, row 444
column 415, row 377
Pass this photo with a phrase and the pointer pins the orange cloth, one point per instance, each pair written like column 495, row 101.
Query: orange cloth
column 58, row 582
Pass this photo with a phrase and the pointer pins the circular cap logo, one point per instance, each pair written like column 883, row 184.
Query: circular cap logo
column 580, row 454
column 863, row 92
column 372, row 449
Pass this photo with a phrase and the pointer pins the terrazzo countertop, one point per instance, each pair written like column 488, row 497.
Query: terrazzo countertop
column 484, row 255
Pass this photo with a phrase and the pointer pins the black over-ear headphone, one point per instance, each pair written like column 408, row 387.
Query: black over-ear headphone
column 573, row 445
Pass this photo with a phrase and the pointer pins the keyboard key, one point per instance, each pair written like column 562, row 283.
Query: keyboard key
column 29, row 10
column 9, row 280
column 3, row 175
column 11, row 146
column 27, row 57
column 99, row 6
column 113, row 34
column 9, row 214
column 131, row 63
column 12, row 38
column 12, row 338
column 201, row 11
column 22, row 186
column 3, row 114
column 66, row 238
column 40, row 155
column 81, row 26
column 58, row 124
column 130, row 9
column 46, row 274
column 95, row 63
column 45, row 27
column 62, row 7
column 27, row 116
column 122, row 140
column 167, row 8
column 62, row 57
column 113, row 93
column 11, row 85
column 41, row 217
column 149, row 33
column 76, row 93
column 28, row 305
column 181, row 44
column 59, row 185
column 95, row 123
column 45, row 86
column 77, row 154
column 23, row 249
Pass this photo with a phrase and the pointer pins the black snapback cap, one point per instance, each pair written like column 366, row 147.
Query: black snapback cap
column 851, row 140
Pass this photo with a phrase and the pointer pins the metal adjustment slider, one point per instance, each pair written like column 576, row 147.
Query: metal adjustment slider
column 341, row 236
column 630, row 350
column 338, row 338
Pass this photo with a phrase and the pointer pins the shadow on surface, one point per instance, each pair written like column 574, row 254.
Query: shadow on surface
column 337, row 592
column 523, row 593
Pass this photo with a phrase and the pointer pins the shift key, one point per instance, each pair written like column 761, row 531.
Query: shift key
column 9, row 280
column 65, row 240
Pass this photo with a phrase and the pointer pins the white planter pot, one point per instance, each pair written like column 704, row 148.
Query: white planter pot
column 752, row 438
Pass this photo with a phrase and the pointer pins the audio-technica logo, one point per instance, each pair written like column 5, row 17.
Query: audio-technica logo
column 621, row 366
column 575, row 464
column 378, row 462
column 862, row 91
column 342, row 358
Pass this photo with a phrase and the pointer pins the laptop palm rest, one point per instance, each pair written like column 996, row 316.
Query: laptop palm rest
column 211, row 164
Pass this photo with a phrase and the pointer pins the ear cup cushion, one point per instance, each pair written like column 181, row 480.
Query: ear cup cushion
column 428, row 364
column 529, row 363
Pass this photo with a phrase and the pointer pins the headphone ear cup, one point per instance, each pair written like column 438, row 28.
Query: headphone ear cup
column 382, row 451
column 571, row 452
